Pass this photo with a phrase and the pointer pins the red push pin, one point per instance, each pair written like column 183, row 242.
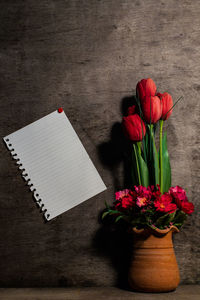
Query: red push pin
column 60, row 110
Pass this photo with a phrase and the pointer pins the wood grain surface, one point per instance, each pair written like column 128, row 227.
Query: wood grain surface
column 185, row 292
column 87, row 56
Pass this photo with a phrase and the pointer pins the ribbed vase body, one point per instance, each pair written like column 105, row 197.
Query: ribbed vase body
column 154, row 267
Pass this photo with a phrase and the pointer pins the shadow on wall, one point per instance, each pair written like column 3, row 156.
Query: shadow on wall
column 114, row 240
column 117, row 150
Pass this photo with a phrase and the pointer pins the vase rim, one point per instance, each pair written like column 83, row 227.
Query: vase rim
column 156, row 230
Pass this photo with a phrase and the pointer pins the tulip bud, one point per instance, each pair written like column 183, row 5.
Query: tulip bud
column 134, row 128
column 167, row 103
column 131, row 110
column 151, row 104
column 146, row 87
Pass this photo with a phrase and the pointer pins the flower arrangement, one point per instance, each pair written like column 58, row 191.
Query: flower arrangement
column 151, row 201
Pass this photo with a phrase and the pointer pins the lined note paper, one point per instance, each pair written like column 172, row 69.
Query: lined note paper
column 55, row 164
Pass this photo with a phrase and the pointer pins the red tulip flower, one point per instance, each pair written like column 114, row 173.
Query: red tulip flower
column 151, row 104
column 134, row 128
column 167, row 103
column 146, row 87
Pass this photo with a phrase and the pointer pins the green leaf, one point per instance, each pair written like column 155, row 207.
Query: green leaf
column 107, row 206
column 143, row 169
column 136, row 168
column 153, row 157
column 155, row 162
column 166, row 165
column 118, row 218
column 178, row 225
column 162, row 220
column 104, row 214
column 179, row 218
column 141, row 117
column 165, row 220
column 146, row 140
column 171, row 216
column 135, row 221
column 134, row 176
column 113, row 212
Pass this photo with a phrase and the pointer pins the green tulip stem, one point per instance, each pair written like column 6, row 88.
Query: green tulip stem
column 151, row 131
column 161, row 160
column 152, row 139
column 137, row 164
column 139, row 145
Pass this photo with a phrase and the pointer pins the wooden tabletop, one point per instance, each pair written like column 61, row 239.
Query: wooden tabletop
column 184, row 292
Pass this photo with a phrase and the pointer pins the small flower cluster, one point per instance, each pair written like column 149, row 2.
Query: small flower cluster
column 150, row 199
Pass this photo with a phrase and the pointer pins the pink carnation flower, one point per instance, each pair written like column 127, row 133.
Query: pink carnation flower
column 141, row 201
column 119, row 195
column 124, row 199
column 178, row 193
column 142, row 191
column 181, row 200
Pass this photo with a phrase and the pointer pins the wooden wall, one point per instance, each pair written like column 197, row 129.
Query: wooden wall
column 87, row 56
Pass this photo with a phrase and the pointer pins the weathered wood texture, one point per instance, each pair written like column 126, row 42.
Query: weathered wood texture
column 185, row 292
column 86, row 56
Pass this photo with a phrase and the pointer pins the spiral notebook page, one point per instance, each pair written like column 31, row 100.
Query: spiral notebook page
column 55, row 164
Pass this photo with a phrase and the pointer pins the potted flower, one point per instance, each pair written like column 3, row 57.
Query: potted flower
column 151, row 206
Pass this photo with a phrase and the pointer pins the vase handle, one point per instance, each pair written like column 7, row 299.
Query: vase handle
column 174, row 228
column 138, row 231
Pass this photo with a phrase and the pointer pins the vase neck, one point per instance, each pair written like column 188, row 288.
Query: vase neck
column 147, row 239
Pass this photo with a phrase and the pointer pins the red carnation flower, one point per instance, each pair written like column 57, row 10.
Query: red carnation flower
column 155, row 191
column 124, row 199
column 187, row 207
column 181, row 200
column 164, row 204
column 127, row 202
column 142, row 191
column 133, row 194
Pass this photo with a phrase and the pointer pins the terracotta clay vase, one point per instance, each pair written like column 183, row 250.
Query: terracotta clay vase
column 153, row 267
